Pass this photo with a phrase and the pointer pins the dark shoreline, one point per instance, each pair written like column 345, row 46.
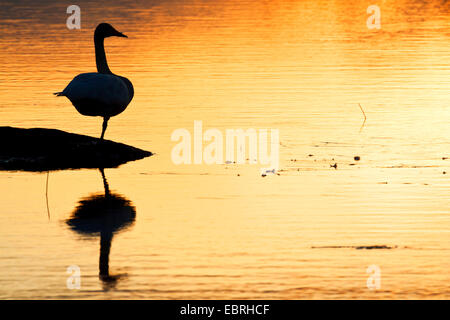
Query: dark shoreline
column 39, row 149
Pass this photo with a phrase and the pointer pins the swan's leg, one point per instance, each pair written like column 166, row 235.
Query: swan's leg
column 105, row 124
column 105, row 182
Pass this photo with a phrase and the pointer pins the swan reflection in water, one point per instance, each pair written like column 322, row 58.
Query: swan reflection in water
column 104, row 215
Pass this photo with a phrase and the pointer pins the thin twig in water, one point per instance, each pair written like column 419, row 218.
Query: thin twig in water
column 365, row 118
column 46, row 195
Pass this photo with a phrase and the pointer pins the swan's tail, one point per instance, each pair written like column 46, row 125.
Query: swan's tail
column 59, row 94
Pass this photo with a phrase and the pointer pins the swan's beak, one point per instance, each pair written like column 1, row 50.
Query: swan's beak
column 120, row 34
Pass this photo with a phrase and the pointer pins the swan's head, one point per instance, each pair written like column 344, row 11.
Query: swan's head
column 105, row 30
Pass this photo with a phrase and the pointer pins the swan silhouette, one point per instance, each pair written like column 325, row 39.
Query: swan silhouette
column 100, row 93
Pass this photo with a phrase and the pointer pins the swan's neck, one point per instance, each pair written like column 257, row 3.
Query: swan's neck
column 100, row 56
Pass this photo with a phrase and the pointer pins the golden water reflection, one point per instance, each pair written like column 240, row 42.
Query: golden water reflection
column 223, row 231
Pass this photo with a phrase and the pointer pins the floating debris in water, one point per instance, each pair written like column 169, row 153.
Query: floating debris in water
column 310, row 155
column 374, row 247
column 357, row 158
column 265, row 172
column 333, row 165
column 357, row 247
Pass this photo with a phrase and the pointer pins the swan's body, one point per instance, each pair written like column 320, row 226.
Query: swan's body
column 102, row 93
column 97, row 94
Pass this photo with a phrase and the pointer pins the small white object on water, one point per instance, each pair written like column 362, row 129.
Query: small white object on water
column 265, row 172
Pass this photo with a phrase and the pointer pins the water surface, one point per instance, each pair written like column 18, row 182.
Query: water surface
column 223, row 231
